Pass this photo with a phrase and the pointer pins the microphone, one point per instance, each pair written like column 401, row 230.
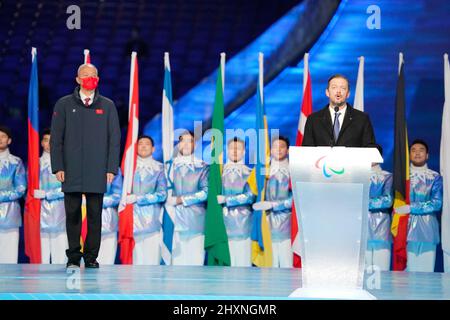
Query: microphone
column 333, row 140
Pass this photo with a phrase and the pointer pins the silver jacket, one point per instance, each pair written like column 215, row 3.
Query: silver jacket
column 237, row 209
column 190, row 177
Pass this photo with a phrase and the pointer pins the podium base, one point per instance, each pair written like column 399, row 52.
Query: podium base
column 332, row 294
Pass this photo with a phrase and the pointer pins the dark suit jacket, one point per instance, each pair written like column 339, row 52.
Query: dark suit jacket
column 356, row 130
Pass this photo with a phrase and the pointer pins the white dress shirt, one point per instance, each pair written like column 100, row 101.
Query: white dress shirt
column 341, row 116
column 83, row 98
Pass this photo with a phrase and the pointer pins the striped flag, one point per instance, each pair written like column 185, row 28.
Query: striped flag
column 126, row 239
column 400, row 218
column 168, row 217
column 216, row 239
column 32, row 215
column 307, row 101
column 304, row 114
column 445, row 166
column 358, row 102
column 260, row 234
column 87, row 56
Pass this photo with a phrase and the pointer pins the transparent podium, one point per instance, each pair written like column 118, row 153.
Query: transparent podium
column 331, row 194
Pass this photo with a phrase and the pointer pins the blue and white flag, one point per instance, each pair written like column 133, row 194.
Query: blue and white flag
column 168, row 217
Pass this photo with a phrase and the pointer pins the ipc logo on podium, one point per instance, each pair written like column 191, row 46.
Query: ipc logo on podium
column 328, row 171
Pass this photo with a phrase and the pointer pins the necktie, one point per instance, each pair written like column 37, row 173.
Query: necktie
column 337, row 126
column 86, row 101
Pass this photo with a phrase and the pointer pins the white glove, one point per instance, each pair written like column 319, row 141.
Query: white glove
column 171, row 201
column 403, row 209
column 39, row 194
column 262, row 205
column 221, row 199
column 131, row 198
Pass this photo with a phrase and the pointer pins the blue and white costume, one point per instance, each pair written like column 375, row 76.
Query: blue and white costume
column 379, row 239
column 110, row 220
column 423, row 226
column 53, row 215
column 279, row 194
column 150, row 189
column 190, row 177
column 237, row 212
column 13, row 183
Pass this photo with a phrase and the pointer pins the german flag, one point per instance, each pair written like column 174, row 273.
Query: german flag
column 399, row 226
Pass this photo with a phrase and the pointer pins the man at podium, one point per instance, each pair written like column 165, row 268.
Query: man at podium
column 338, row 124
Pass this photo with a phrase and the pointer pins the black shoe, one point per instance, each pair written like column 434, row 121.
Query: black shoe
column 73, row 264
column 92, row 265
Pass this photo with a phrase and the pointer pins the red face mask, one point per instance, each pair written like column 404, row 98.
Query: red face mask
column 89, row 83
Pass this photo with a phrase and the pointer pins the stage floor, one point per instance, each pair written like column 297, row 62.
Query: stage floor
column 124, row 282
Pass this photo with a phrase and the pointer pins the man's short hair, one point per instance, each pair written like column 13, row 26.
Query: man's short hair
column 338, row 75
column 6, row 130
column 419, row 141
column 144, row 136
column 87, row 65
column 45, row 132
column 236, row 139
column 186, row 133
column 282, row 138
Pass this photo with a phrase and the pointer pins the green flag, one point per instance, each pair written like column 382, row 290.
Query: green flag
column 216, row 240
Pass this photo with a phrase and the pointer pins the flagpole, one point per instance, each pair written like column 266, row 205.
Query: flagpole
column 216, row 238
column 401, row 209
column 305, row 68
column 126, row 239
column 261, row 76
column 222, row 65
column 445, row 167
column 167, row 113
column 358, row 102
column 168, row 242
column 305, row 111
column 87, row 56
column 32, row 210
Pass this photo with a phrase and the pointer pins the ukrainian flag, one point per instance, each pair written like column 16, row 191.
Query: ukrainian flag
column 261, row 240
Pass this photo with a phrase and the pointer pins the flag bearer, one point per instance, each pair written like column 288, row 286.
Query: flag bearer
column 379, row 242
column 12, row 187
column 278, row 203
column 426, row 203
column 149, row 194
column 189, row 198
column 53, row 215
column 110, row 220
column 237, row 198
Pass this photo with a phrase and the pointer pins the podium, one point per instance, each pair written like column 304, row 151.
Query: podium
column 331, row 195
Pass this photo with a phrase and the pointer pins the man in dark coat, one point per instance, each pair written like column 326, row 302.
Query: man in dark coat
column 338, row 124
column 85, row 147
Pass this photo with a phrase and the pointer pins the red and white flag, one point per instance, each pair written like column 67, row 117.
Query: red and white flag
column 126, row 240
column 305, row 111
